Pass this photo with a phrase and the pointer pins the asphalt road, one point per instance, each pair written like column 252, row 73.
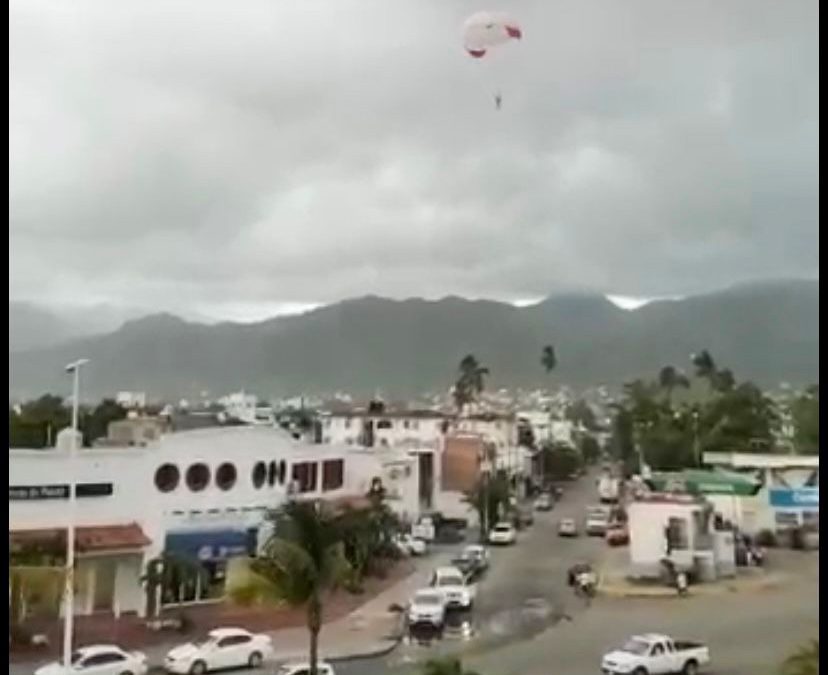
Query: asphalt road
column 527, row 621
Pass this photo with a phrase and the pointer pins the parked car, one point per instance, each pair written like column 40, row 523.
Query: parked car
column 503, row 534
column 455, row 586
column 424, row 529
column 544, row 502
column 99, row 660
column 597, row 520
column 409, row 545
column 222, row 648
column 473, row 561
column 655, row 654
column 428, row 606
column 567, row 527
column 304, row 669
column 524, row 515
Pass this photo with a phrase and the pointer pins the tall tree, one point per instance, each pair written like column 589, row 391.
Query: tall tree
column 471, row 381
column 549, row 359
column 95, row 423
column 302, row 561
column 805, row 413
column 670, row 379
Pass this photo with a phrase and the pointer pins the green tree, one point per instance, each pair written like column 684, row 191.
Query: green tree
column 95, row 423
column 805, row 413
column 738, row 419
column 804, row 661
column 622, row 441
column 490, row 499
column 670, row 379
column 582, row 414
column 449, row 665
column 549, row 359
column 38, row 422
column 470, row 383
column 367, row 537
column 559, row 461
column 302, row 561
column 590, row 449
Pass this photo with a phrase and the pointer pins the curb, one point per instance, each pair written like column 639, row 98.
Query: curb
column 704, row 590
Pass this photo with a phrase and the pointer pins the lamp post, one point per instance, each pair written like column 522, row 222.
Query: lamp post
column 69, row 589
column 696, row 446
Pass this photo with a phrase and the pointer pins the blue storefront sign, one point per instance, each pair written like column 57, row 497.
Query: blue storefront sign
column 207, row 545
column 795, row 498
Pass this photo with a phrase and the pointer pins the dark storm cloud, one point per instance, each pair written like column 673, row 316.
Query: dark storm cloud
column 188, row 155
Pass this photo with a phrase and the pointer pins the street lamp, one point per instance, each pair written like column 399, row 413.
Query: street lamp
column 69, row 590
column 696, row 447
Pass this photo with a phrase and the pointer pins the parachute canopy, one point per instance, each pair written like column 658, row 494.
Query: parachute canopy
column 486, row 30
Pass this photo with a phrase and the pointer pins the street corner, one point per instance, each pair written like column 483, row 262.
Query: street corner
column 614, row 586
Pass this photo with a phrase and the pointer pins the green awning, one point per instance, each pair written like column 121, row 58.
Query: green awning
column 701, row 482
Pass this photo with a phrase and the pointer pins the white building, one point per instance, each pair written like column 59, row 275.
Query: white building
column 247, row 408
column 678, row 528
column 384, row 428
column 200, row 494
column 788, row 498
column 540, row 422
column 131, row 399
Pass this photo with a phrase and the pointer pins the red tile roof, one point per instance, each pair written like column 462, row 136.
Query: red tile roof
column 87, row 539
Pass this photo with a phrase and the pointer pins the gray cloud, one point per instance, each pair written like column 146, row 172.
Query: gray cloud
column 187, row 154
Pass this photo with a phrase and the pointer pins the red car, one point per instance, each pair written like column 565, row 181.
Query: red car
column 617, row 535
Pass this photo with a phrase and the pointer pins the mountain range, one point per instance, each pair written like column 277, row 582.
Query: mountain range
column 768, row 332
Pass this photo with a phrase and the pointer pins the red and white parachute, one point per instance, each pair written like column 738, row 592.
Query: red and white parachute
column 485, row 31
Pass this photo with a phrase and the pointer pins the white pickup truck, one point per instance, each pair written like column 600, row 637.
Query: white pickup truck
column 654, row 654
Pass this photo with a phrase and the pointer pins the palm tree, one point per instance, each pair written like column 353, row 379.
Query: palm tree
column 446, row 666
column 549, row 359
column 471, row 381
column 302, row 561
column 804, row 661
column 670, row 379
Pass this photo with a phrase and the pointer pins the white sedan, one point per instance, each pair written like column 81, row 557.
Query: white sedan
column 99, row 660
column 409, row 545
column 503, row 533
column 222, row 648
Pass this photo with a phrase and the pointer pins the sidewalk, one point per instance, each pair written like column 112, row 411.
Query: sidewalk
column 614, row 584
column 370, row 629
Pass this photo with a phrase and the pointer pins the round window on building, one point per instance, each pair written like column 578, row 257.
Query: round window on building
column 272, row 470
column 198, row 477
column 259, row 475
column 282, row 472
column 167, row 477
column 226, row 476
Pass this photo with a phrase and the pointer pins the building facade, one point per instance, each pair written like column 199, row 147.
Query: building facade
column 200, row 495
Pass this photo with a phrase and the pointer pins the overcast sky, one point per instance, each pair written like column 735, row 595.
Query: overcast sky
column 235, row 158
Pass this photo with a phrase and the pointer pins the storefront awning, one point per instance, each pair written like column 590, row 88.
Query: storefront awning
column 87, row 539
column 700, row 482
column 207, row 545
